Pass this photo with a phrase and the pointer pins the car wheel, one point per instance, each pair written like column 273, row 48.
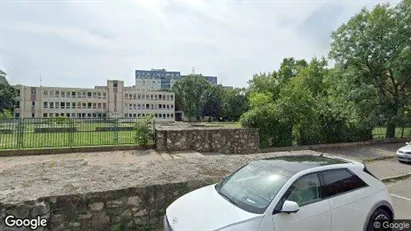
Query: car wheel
column 377, row 219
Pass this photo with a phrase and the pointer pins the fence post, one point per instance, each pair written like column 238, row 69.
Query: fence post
column 20, row 131
column 116, row 128
column 71, row 132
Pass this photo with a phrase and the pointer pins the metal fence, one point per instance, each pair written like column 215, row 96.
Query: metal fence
column 66, row 132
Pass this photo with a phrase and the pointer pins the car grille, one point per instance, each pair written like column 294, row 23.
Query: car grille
column 409, row 153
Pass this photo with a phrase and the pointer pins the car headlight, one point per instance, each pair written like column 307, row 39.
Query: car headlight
column 400, row 151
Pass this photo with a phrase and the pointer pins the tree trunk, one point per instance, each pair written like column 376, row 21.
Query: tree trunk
column 390, row 133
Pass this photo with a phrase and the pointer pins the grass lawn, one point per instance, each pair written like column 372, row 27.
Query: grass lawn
column 379, row 132
column 64, row 139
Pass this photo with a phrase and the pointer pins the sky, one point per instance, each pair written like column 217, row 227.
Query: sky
column 83, row 43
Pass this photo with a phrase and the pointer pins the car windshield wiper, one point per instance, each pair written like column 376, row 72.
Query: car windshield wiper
column 228, row 198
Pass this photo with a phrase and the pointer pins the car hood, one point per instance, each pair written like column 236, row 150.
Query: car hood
column 205, row 209
column 406, row 148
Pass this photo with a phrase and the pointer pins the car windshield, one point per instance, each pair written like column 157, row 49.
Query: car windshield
column 251, row 188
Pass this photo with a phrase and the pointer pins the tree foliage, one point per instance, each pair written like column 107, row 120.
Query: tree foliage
column 375, row 47
column 7, row 93
column 197, row 98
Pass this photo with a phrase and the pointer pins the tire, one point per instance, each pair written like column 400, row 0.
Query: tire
column 376, row 220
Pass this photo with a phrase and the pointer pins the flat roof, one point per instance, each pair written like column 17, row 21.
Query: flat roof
column 290, row 165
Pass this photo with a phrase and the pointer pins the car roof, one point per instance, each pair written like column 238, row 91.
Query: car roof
column 292, row 164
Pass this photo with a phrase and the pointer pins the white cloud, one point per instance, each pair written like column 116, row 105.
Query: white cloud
column 84, row 43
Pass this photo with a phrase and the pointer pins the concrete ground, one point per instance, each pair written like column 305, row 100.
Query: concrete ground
column 401, row 196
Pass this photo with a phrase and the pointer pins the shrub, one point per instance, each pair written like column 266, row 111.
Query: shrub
column 144, row 131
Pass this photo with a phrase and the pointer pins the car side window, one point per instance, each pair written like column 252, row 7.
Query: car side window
column 305, row 190
column 340, row 181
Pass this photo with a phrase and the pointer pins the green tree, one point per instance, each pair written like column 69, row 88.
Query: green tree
column 143, row 131
column 190, row 94
column 7, row 93
column 235, row 103
column 212, row 101
column 376, row 46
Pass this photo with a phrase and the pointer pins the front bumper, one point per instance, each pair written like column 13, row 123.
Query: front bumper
column 404, row 157
column 166, row 224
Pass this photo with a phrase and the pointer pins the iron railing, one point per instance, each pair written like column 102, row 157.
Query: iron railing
column 65, row 132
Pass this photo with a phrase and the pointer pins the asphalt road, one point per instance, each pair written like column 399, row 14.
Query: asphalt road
column 401, row 196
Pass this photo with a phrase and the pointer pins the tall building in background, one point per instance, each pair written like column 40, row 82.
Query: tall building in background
column 157, row 79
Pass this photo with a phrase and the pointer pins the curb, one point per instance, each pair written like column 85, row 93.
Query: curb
column 377, row 159
column 396, row 178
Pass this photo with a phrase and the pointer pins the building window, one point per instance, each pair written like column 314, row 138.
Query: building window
column 57, row 94
column 168, row 106
column 62, row 105
column 33, row 103
column 73, row 93
column 84, row 94
column 114, row 84
column 68, row 94
column 51, row 105
column 99, row 105
column 17, row 104
column 17, row 115
column 104, row 105
column 89, row 115
column 57, row 104
column 89, row 105
column 68, row 115
column 45, row 93
column 63, row 94
column 78, row 105
column 73, row 114
column 155, row 97
column 51, row 114
column 126, row 96
column 99, row 95
column 171, row 97
column 32, row 115
column 84, row 105
column 94, row 95
column 18, row 94
column 172, row 115
column 44, row 115
column 104, row 95
column 159, row 106
column 151, row 97
column 94, row 105
column 45, row 105
column 89, row 94
column 159, row 97
column 172, row 106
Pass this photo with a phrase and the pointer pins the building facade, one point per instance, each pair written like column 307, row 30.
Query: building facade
column 157, row 79
column 113, row 100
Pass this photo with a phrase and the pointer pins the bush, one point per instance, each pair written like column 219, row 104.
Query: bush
column 273, row 132
column 144, row 131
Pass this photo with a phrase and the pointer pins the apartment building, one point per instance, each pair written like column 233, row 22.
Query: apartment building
column 156, row 79
column 113, row 100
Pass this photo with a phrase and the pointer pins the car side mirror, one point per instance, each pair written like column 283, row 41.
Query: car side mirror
column 290, row 207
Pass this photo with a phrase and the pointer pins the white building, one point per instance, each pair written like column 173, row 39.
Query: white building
column 113, row 100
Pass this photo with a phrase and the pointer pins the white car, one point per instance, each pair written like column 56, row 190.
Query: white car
column 284, row 194
column 404, row 153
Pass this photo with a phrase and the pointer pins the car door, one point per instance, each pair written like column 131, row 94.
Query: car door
column 349, row 199
column 314, row 213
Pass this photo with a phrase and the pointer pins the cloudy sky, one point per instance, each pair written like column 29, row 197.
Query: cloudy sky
column 82, row 43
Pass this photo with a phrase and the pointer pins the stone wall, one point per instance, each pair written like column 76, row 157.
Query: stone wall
column 222, row 140
column 126, row 209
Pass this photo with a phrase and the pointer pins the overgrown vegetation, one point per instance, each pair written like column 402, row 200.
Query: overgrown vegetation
column 144, row 131
column 370, row 85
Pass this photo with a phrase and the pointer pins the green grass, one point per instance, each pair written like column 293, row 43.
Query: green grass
column 64, row 139
column 379, row 132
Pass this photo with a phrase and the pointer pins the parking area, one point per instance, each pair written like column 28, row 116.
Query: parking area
column 401, row 196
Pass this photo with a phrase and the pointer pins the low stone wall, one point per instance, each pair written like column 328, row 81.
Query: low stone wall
column 222, row 140
column 139, row 208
